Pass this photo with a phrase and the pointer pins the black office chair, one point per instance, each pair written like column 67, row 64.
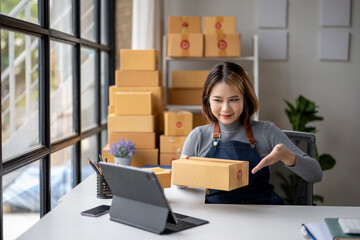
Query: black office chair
column 306, row 142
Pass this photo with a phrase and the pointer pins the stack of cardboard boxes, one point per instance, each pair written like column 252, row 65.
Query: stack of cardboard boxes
column 185, row 38
column 136, row 105
column 177, row 125
column 221, row 39
column 187, row 87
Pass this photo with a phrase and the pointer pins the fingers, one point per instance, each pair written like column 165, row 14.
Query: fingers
column 184, row 156
column 266, row 161
column 275, row 156
column 261, row 164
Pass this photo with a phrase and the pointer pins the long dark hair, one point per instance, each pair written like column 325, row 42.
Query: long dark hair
column 235, row 76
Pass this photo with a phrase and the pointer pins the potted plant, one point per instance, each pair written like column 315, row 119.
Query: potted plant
column 299, row 115
column 122, row 151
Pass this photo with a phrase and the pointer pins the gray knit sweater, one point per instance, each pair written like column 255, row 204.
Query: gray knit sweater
column 266, row 134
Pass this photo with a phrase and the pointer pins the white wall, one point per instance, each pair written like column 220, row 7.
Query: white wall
column 333, row 85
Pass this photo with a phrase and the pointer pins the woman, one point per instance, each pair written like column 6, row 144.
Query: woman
column 229, row 102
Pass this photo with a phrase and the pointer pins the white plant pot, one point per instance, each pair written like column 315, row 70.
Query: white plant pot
column 122, row 161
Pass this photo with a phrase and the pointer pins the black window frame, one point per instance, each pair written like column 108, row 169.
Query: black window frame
column 46, row 34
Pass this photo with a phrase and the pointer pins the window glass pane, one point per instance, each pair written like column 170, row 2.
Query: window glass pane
column 87, row 88
column 19, row 93
column 104, row 138
column 104, row 78
column 88, row 151
column 61, row 174
column 104, row 23
column 61, row 90
column 61, row 15
column 20, row 9
column 21, row 200
column 88, row 19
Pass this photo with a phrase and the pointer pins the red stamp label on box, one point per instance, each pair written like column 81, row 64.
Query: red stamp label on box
column 222, row 44
column 185, row 24
column 179, row 124
column 184, row 44
column 218, row 25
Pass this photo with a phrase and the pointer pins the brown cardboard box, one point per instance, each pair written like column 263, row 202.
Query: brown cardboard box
column 222, row 45
column 141, row 140
column 199, row 119
column 140, row 158
column 177, row 123
column 220, row 174
column 144, row 157
column 171, row 144
column 188, row 79
column 133, row 103
column 167, row 158
column 137, row 78
column 107, row 155
column 163, row 176
column 185, row 45
column 157, row 95
column 185, row 96
column 138, row 59
column 184, row 24
column 213, row 25
column 111, row 109
column 145, row 123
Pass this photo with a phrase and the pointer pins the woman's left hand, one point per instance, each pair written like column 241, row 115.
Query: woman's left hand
column 279, row 153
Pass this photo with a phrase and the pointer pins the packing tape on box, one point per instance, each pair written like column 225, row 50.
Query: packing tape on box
column 218, row 24
column 180, row 118
column 184, row 45
column 184, row 24
column 221, row 44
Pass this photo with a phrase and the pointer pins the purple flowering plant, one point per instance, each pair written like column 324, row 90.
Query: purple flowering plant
column 122, row 148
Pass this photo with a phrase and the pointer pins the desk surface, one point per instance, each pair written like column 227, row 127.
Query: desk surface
column 226, row 221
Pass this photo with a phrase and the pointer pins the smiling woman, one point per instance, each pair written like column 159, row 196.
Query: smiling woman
column 229, row 103
column 234, row 79
column 226, row 102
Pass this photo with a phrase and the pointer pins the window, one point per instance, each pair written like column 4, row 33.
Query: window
column 104, row 85
column 88, row 152
column 88, row 88
column 61, row 15
column 88, row 19
column 21, row 194
column 61, row 173
column 19, row 93
column 20, row 9
column 61, row 90
column 56, row 60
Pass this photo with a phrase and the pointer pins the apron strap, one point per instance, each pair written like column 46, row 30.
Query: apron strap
column 216, row 135
column 250, row 137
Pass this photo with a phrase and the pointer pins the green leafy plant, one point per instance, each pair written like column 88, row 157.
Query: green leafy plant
column 300, row 116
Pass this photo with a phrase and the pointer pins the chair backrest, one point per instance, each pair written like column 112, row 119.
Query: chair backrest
column 306, row 142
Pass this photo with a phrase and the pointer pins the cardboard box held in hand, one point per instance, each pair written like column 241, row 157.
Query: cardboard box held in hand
column 219, row 174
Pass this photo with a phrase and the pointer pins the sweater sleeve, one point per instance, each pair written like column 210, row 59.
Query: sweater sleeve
column 305, row 166
column 191, row 144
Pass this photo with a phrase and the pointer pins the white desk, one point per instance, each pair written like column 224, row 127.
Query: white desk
column 226, row 221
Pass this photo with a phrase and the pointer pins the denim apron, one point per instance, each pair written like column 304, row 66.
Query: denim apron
column 259, row 190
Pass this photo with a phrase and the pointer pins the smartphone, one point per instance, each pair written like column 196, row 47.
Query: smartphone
column 96, row 211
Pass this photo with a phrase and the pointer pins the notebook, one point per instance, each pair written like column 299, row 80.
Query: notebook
column 336, row 231
column 139, row 201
